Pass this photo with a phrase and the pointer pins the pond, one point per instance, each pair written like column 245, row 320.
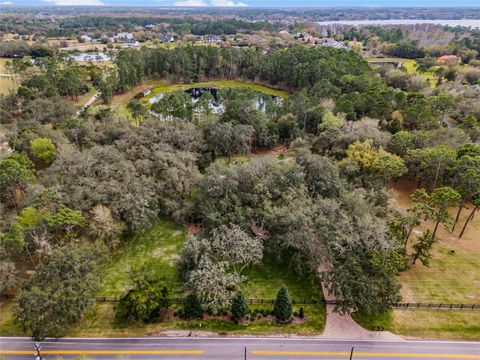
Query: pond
column 91, row 57
column 215, row 98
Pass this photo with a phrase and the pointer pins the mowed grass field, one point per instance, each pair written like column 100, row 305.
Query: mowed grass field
column 452, row 277
column 158, row 248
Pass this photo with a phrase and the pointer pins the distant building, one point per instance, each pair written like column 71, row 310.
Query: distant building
column 123, row 36
column 167, row 38
column 149, row 26
column 449, row 59
column 132, row 43
column 212, row 40
column 86, row 38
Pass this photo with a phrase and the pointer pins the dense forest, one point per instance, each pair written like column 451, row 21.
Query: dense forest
column 76, row 182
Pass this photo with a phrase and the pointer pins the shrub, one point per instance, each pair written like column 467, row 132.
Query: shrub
column 239, row 307
column 192, row 309
column 301, row 314
column 43, row 149
column 283, row 305
column 145, row 301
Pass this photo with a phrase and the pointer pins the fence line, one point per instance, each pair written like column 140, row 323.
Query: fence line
column 254, row 301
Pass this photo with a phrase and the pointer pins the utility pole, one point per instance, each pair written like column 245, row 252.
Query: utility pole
column 351, row 353
column 245, row 354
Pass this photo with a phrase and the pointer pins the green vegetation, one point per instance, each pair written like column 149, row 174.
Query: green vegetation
column 411, row 67
column 426, row 324
column 282, row 308
column 218, row 84
column 157, row 248
column 94, row 178
column 264, row 280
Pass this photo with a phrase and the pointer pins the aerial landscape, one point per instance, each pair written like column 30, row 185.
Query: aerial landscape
column 236, row 180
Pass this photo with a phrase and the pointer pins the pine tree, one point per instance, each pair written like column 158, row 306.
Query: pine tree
column 421, row 249
column 192, row 309
column 282, row 308
column 239, row 307
column 301, row 314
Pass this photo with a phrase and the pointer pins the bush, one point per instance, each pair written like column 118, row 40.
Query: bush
column 145, row 301
column 43, row 149
column 239, row 307
column 301, row 314
column 283, row 305
column 192, row 309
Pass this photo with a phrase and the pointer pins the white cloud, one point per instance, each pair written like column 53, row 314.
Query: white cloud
column 6, row 3
column 190, row 3
column 228, row 3
column 75, row 2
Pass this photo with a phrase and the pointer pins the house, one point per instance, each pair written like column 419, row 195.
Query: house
column 326, row 40
column 449, row 60
column 167, row 38
column 149, row 26
column 85, row 38
column 123, row 36
column 132, row 43
column 212, row 40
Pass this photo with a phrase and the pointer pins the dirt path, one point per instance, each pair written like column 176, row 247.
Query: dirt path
column 342, row 326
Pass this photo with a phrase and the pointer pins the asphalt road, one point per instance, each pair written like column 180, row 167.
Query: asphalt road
column 234, row 349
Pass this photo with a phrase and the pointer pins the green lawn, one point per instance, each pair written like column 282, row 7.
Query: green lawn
column 426, row 324
column 264, row 280
column 158, row 248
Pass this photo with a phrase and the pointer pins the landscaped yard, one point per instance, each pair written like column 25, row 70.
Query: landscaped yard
column 158, row 248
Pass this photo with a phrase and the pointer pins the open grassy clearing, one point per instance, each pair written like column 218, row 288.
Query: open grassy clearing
column 411, row 66
column 6, row 81
column 450, row 278
column 426, row 324
column 158, row 247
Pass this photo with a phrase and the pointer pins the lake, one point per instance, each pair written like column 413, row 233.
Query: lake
column 474, row 23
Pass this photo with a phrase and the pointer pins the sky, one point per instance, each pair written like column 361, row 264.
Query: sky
column 251, row 3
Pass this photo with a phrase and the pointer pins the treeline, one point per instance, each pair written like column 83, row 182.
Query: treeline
column 20, row 48
column 74, row 26
column 291, row 69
